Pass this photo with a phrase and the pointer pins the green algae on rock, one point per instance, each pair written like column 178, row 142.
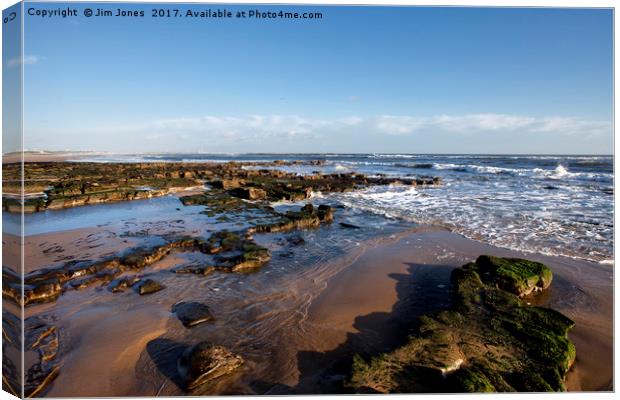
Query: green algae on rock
column 520, row 277
column 231, row 252
column 489, row 341
column 307, row 217
column 57, row 185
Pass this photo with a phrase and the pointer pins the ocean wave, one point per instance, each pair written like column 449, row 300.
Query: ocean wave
column 395, row 156
column 529, row 222
column 559, row 172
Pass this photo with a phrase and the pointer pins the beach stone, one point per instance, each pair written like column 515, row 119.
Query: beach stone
column 192, row 313
column 120, row 284
column 204, row 362
column 148, row 286
column 248, row 193
column 194, row 269
column 325, row 213
column 295, row 240
column 349, row 226
column 308, row 217
column 227, row 184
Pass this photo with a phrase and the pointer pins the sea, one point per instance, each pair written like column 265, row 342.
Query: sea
column 559, row 205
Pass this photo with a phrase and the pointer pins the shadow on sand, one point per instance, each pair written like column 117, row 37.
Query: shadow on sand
column 423, row 289
column 164, row 353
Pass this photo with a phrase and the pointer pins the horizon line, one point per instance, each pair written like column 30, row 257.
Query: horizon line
column 43, row 152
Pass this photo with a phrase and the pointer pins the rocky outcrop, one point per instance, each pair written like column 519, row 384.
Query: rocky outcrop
column 40, row 349
column 235, row 253
column 521, row 277
column 121, row 284
column 308, row 217
column 59, row 185
column 227, row 184
column 490, row 341
column 204, row 362
column 194, row 269
column 249, row 193
column 232, row 251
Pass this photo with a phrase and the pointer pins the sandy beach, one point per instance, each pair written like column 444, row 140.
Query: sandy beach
column 307, row 199
column 374, row 301
column 300, row 266
column 370, row 306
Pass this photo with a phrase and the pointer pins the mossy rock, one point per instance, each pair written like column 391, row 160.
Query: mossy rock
column 490, row 340
column 521, row 277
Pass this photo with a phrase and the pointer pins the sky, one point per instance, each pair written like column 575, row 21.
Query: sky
column 357, row 80
column 11, row 80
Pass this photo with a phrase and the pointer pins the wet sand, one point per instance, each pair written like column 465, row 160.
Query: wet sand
column 364, row 306
column 294, row 329
column 45, row 250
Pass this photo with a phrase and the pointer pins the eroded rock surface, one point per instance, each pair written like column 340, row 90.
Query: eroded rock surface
column 234, row 252
column 204, row 362
column 490, row 341
column 56, row 185
column 41, row 348
column 308, row 217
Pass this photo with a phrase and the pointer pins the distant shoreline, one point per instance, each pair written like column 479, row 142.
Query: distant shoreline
column 62, row 156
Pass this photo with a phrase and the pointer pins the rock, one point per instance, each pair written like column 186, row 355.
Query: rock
column 248, row 193
column 140, row 258
column 67, row 184
column 308, row 217
column 325, row 213
column 192, row 313
column 227, row 184
column 120, row 284
column 83, row 282
column 42, row 291
column 521, row 277
column 204, row 362
column 248, row 258
column 236, row 253
column 148, row 286
column 349, row 226
column 194, row 269
column 295, row 240
column 41, row 348
column 489, row 341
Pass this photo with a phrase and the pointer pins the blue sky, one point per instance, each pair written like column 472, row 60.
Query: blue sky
column 361, row 79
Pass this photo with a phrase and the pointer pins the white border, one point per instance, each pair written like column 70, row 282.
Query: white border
column 481, row 3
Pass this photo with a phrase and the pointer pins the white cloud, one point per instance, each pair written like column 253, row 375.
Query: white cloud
column 476, row 123
column 250, row 127
column 398, row 125
column 26, row 60
column 289, row 132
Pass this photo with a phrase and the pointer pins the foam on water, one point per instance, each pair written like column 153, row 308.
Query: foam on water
column 557, row 205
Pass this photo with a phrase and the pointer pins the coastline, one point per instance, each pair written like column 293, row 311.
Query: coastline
column 368, row 305
column 334, row 277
